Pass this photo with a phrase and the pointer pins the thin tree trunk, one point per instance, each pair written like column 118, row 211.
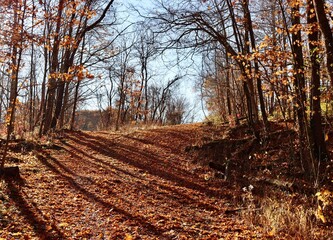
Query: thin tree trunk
column 64, row 107
column 76, row 94
column 17, row 49
column 41, row 113
column 256, row 65
column 32, row 80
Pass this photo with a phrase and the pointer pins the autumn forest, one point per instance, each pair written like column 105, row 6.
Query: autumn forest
column 98, row 119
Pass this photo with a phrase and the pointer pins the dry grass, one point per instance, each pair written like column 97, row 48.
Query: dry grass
column 281, row 218
column 284, row 218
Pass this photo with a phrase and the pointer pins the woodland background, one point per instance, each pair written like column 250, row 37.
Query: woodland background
column 263, row 71
column 259, row 60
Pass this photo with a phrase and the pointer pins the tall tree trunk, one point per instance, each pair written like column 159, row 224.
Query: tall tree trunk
column 16, row 56
column 248, row 85
column 76, row 97
column 42, row 105
column 228, row 87
column 146, row 109
column 324, row 24
column 62, row 86
column 32, row 79
column 59, row 102
column 227, row 76
column 315, row 118
column 52, row 83
column 256, row 64
column 121, row 103
column 299, row 82
column 64, row 108
column 144, row 80
column 77, row 86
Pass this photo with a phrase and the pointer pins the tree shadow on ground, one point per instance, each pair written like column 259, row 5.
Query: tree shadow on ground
column 169, row 191
column 146, row 162
column 94, row 161
column 140, row 220
column 172, row 148
column 32, row 214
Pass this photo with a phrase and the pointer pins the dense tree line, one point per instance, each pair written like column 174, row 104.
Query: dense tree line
column 261, row 59
column 56, row 54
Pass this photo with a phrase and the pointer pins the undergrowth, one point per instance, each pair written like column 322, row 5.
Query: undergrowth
column 282, row 218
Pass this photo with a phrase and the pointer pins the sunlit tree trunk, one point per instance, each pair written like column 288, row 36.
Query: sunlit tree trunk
column 62, row 83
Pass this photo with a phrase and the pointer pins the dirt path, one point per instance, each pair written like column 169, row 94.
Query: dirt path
column 101, row 185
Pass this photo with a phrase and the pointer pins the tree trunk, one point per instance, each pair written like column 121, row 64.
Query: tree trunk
column 42, row 106
column 315, row 118
column 76, row 94
column 32, row 95
column 17, row 49
column 62, row 120
column 256, row 65
column 52, row 83
column 324, row 24
column 306, row 157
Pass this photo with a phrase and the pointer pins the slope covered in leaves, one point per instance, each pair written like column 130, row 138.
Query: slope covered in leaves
column 145, row 184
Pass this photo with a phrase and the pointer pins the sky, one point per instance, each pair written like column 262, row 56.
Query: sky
column 168, row 68
column 188, row 69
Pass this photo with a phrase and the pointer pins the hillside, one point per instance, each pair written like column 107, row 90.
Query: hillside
column 179, row 182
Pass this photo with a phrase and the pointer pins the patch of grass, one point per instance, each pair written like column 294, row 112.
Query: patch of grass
column 281, row 217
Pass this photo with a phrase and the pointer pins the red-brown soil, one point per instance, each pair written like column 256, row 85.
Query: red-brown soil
column 143, row 184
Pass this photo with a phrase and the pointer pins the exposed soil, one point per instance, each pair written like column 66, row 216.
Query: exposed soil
column 162, row 183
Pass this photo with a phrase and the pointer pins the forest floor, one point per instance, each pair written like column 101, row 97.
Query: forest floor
column 191, row 181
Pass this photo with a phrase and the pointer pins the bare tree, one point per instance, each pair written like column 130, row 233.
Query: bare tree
column 72, row 39
column 146, row 51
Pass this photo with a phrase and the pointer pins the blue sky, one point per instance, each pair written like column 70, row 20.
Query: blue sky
column 187, row 87
column 168, row 68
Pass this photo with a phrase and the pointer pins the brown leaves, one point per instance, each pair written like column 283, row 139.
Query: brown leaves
column 135, row 185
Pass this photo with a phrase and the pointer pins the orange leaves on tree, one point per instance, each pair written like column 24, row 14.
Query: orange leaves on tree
column 68, row 41
column 78, row 72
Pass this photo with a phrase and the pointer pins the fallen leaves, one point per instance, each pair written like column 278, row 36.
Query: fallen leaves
column 63, row 224
column 139, row 185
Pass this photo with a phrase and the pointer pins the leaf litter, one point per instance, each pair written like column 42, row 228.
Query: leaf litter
column 138, row 185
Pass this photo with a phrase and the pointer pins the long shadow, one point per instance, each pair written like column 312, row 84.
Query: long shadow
column 139, row 219
column 64, row 169
column 102, row 145
column 109, row 166
column 151, row 157
column 31, row 215
column 173, row 150
column 183, row 198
